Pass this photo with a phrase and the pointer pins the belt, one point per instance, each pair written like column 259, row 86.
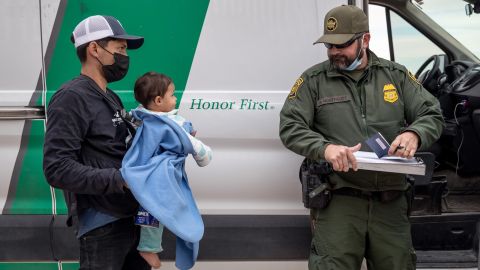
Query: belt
column 383, row 196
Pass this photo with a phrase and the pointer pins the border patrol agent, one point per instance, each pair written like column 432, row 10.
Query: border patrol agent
column 331, row 109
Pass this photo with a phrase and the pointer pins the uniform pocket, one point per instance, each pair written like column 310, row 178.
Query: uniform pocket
column 334, row 116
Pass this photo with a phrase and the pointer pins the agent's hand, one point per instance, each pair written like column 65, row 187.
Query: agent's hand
column 405, row 145
column 341, row 156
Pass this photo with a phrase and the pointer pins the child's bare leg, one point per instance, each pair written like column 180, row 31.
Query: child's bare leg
column 150, row 244
column 151, row 258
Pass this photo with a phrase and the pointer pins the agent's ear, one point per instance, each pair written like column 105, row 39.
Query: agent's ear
column 366, row 40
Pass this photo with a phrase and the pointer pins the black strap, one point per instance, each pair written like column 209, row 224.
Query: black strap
column 383, row 196
column 121, row 112
column 356, row 193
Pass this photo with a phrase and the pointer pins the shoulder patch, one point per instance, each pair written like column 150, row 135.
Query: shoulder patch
column 293, row 91
column 412, row 77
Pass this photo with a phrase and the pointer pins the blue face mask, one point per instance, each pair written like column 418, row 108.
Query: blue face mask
column 358, row 60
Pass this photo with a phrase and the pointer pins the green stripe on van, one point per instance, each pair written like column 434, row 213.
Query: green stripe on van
column 171, row 30
column 33, row 193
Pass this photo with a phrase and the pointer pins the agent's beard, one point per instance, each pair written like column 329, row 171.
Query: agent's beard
column 341, row 61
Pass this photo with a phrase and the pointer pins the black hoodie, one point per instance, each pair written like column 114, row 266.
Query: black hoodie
column 84, row 148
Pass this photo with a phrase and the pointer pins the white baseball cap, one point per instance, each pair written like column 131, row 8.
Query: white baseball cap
column 98, row 27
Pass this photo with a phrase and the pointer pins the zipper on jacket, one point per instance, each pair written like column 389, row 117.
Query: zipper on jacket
column 361, row 94
column 358, row 101
column 363, row 101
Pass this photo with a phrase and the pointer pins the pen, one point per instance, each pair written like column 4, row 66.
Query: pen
column 399, row 148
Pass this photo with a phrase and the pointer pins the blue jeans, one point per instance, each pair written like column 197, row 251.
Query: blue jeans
column 112, row 247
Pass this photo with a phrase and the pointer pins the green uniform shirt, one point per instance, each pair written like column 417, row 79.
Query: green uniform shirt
column 326, row 106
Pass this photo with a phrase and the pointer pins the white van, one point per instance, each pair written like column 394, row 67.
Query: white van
column 233, row 63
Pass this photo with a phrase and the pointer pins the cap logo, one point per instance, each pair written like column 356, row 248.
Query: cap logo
column 331, row 24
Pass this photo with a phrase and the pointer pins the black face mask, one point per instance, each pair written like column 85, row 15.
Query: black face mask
column 118, row 69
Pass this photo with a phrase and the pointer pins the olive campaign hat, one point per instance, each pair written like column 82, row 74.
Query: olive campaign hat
column 342, row 23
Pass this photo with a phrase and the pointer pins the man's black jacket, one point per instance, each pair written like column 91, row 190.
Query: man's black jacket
column 84, row 147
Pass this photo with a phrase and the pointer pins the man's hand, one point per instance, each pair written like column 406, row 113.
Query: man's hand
column 341, row 156
column 405, row 145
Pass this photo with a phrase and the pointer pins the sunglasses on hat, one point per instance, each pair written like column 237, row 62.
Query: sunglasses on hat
column 344, row 45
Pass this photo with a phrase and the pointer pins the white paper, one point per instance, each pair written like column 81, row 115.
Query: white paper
column 372, row 157
column 370, row 161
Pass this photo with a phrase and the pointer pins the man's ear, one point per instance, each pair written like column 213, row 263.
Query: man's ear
column 92, row 49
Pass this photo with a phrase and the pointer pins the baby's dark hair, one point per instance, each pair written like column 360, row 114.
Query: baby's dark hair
column 149, row 86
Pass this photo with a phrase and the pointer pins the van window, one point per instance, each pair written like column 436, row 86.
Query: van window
column 452, row 17
column 410, row 47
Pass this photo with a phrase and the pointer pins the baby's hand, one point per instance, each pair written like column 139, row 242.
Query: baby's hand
column 193, row 133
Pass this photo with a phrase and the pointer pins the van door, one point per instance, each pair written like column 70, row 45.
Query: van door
column 430, row 38
column 233, row 63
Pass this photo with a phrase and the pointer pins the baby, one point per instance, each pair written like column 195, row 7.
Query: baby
column 155, row 92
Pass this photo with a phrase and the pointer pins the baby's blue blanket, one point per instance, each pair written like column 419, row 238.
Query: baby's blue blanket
column 154, row 169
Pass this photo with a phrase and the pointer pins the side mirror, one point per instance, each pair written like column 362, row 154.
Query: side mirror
column 472, row 7
column 468, row 9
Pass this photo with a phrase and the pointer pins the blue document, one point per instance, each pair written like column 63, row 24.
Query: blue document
column 378, row 144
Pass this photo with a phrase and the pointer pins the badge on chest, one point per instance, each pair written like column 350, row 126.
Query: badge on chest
column 390, row 93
